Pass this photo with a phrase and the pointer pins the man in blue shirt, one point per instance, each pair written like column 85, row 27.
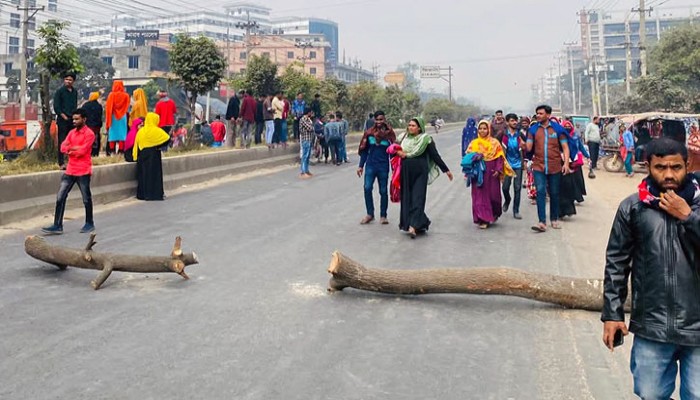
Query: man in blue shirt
column 374, row 163
column 514, row 144
column 298, row 107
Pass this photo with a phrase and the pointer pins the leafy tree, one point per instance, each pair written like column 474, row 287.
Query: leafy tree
column 334, row 94
column 295, row 80
column 412, row 105
column 260, row 76
column 151, row 88
column 362, row 100
column 392, row 102
column 97, row 73
column 198, row 65
column 411, row 71
column 53, row 58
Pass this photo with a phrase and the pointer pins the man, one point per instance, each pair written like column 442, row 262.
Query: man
column 656, row 237
column 498, row 125
column 269, row 117
column 298, row 108
column 306, row 138
column 334, row 138
column 549, row 142
column 627, row 149
column 233, row 112
column 259, row 119
column 592, row 139
column 198, row 117
column 374, row 157
column 344, row 129
column 65, row 101
column 78, row 146
column 316, row 106
column 94, row 111
column 278, row 109
column 166, row 110
column 218, row 131
column 248, row 109
column 514, row 143
column 369, row 122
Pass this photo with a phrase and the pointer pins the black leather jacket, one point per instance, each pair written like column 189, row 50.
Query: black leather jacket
column 662, row 253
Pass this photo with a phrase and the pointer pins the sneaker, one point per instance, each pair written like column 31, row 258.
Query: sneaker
column 52, row 230
column 87, row 228
column 517, row 216
column 506, row 205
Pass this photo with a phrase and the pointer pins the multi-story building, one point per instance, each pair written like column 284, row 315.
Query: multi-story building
column 137, row 65
column 310, row 26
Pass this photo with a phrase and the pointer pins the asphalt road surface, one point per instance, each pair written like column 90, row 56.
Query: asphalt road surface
column 255, row 321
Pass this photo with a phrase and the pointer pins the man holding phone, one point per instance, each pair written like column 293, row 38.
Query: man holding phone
column 656, row 238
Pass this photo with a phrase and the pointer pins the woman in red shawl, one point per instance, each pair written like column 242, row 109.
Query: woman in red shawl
column 116, row 116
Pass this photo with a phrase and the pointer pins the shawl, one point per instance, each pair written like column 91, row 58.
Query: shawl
column 117, row 102
column 415, row 145
column 386, row 133
column 140, row 107
column 131, row 136
column 150, row 135
column 469, row 133
column 94, row 96
column 650, row 194
column 491, row 149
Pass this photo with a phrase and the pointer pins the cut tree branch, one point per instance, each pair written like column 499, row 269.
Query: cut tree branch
column 86, row 258
column 575, row 293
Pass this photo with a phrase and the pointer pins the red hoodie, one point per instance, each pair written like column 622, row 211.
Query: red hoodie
column 79, row 160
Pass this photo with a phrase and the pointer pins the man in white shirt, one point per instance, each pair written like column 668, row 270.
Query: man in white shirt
column 592, row 138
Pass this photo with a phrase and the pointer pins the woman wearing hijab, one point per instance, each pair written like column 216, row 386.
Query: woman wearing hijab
column 140, row 107
column 131, row 138
column 571, row 188
column 146, row 153
column 486, row 198
column 115, row 113
column 94, row 111
column 420, row 166
column 468, row 134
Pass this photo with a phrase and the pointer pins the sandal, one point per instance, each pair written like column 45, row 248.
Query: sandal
column 412, row 232
column 540, row 228
column 556, row 225
column 483, row 226
column 366, row 220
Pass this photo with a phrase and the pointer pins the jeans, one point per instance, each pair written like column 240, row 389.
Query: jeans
column 334, row 147
column 545, row 183
column 269, row 131
column 259, row 128
column 628, row 162
column 594, row 150
column 277, row 132
column 305, row 155
column 284, row 131
column 517, row 188
column 67, row 182
column 343, row 150
column 654, row 366
column 246, row 130
column 382, row 175
column 98, row 139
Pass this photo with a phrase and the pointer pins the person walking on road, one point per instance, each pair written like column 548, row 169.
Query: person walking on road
column 94, row 111
column 592, row 139
column 65, row 101
column 548, row 141
column 514, row 144
column 420, row 166
column 344, row 130
column 374, row 164
column 498, row 125
column 306, row 139
column 77, row 146
column 655, row 238
column 298, row 111
column 247, row 115
column 233, row 112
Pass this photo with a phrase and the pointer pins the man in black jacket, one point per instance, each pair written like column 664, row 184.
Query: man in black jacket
column 656, row 238
column 233, row 112
column 65, row 101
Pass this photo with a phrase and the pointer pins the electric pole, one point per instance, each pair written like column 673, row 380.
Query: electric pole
column 561, row 102
column 628, row 58
column 23, row 57
column 643, row 36
column 570, row 54
column 248, row 25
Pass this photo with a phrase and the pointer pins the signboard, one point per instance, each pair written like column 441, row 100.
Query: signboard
column 142, row 34
column 395, row 78
column 428, row 72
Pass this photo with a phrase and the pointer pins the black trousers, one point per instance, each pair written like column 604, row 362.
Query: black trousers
column 259, row 128
column 63, row 128
column 278, row 130
column 594, row 150
column 296, row 129
column 67, row 183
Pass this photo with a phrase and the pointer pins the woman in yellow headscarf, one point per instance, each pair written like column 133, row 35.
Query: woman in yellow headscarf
column 146, row 152
column 139, row 108
column 486, row 198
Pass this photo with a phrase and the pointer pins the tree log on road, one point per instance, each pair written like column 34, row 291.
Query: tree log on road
column 575, row 293
column 86, row 258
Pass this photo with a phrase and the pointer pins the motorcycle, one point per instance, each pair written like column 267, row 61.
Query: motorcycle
column 613, row 161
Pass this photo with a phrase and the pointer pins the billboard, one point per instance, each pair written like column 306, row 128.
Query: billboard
column 395, row 78
column 428, row 72
column 142, row 34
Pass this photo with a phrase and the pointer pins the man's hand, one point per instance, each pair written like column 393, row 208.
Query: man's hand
column 359, row 172
column 566, row 169
column 675, row 205
column 609, row 330
column 64, row 116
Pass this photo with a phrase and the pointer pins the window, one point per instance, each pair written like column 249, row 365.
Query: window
column 133, row 62
column 107, row 60
column 32, row 3
column 32, row 23
column 53, row 5
column 14, row 20
column 243, row 55
column 312, row 70
column 290, row 54
column 30, row 65
column 30, row 44
column 266, row 54
column 8, row 68
column 312, row 55
column 14, row 45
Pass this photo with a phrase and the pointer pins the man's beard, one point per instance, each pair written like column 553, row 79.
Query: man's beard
column 680, row 185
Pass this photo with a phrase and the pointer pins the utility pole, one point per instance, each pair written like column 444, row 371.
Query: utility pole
column 591, row 64
column 248, row 26
column 571, row 70
column 561, row 102
column 628, row 58
column 449, row 82
column 607, row 99
column 643, row 35
column 23, row 57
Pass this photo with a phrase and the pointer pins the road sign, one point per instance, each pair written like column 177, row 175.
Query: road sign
column 395, row 78
column 429, row 72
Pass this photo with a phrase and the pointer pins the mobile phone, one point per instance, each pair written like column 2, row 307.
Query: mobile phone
column 619, row 339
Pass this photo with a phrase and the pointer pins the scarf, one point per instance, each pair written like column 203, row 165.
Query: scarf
column 490, row 148
column 140, row 107
column 150, row 135
column 131, row 135
column 650, row 193
column 380, row 134
column 415, row 145
column 469, row 133
column 117, row 102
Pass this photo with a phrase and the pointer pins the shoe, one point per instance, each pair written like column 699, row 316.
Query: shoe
column 87, row 228
column 506, row 205
column 384, row 221
column 52, row 230
column 483, row 226
column 591, row 175
column 366, row 220
column 412, row 232
column 517, row 216
column 304, row 176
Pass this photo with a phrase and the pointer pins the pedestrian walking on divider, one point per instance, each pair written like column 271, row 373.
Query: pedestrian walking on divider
column 420, row 166
column 233, row 112
column 374, row 164
column 147, row 154
column 259, row 119
column 247, row 115
column 278, row 110
column 139, row 108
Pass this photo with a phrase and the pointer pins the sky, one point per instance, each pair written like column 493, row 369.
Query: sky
column 498, row 48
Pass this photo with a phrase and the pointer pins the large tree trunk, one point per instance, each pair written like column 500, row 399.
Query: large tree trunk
column 577, row 293
column 63, row 257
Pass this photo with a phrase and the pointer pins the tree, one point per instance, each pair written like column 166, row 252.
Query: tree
column 295, row 80
column 260, row 76
column 392, row 102
column 54, row 58
column 198, row 65
column 440, row 107
column 412, row 106
column 97, row 74
column 362, row 100
column 334, row 94
column 151, row 89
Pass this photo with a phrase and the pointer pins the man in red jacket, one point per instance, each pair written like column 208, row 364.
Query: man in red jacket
column 78, row 147
column 248, row 108
column 218, row 131
column 167, row 110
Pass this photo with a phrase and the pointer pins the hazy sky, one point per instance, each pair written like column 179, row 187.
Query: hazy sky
column 467, row 34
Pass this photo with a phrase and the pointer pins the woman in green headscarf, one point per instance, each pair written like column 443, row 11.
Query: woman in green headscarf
column 420, row 166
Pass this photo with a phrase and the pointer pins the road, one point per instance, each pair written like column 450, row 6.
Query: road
column 255, row 322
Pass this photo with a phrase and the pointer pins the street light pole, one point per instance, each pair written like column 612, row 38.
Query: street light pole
column 248, row 26
column 571, row 70
column 23, row 57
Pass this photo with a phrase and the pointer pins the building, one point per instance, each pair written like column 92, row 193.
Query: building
column 351, row 73
column 310, row 26
column 137, row 65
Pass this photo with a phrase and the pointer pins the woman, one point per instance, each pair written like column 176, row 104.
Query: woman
column 420, row 166
column 146, row 153
column 468, row 134
column 115, row 114
column 486, row 199
column 571, row 188
column 139, row 108
column 131, row 138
